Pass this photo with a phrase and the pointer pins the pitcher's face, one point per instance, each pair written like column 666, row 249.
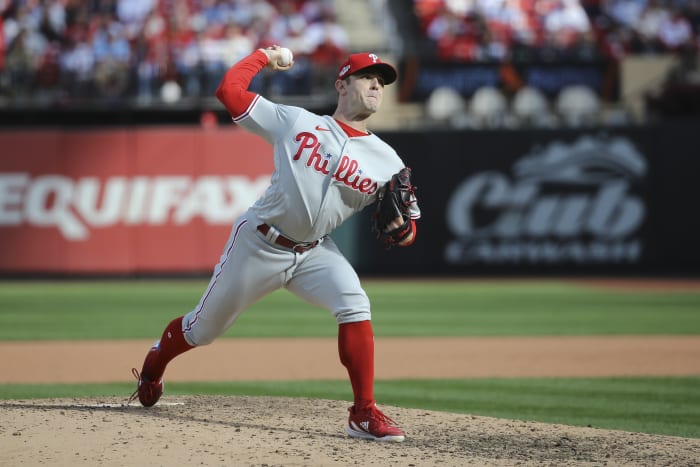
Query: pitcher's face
column 363, row 93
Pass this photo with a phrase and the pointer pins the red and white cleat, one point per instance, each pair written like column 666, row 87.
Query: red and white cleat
column 371, row 423
column 148, row 391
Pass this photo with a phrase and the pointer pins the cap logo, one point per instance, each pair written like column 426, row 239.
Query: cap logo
column 374, row 58
column 344, row 70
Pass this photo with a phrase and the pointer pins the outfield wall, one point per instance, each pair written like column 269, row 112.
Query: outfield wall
column 561, row 202
column 162, row 200
column 123, row 201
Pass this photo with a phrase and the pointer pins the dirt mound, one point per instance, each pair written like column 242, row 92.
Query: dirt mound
column 206, row 430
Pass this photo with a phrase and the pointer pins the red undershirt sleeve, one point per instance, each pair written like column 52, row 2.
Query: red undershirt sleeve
column 233, row 90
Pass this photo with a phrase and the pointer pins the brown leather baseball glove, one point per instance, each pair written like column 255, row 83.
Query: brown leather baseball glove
column 393, row 203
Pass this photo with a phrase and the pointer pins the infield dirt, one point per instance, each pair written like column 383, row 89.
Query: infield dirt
column 206, row 430
column 261, row 431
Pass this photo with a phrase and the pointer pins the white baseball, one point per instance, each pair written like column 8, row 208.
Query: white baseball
column 286, row 57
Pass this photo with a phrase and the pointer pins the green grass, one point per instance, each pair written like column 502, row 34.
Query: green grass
column 139, row 309
column 73, row 310
column 669, row 406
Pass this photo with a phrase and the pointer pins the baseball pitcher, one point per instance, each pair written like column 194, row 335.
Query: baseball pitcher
column 326, row 168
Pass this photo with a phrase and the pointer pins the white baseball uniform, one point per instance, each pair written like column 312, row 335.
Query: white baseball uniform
column 321, row 177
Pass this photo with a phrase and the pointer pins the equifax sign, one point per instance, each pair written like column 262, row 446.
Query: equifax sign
column 78, row 206
column 124, row 200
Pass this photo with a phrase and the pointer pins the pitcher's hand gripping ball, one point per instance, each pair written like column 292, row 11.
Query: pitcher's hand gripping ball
column 394, row 200
column 286, row 57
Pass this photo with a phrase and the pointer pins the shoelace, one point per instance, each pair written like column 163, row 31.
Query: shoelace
column 134, row 372
column 376, row 414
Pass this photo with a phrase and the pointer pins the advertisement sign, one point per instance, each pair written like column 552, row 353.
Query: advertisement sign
column 124, row 201
column 542, row 202
column 557, row 204
column 419, row 80
column 518, row 202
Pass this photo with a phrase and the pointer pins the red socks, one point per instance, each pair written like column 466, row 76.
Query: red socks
column 356, row 350
column 172, row 344
column 355, row 347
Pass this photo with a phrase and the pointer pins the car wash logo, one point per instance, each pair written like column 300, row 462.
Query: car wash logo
column 563, row 203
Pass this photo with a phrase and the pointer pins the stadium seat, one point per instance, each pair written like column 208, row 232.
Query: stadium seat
column 532, row 108
column 578, row 106
column 488, row 107
column 444, row 104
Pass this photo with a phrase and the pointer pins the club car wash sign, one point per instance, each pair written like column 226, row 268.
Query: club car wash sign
column 561, row 203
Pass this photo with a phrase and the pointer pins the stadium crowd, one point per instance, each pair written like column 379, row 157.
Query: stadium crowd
column 67, row 51
column 482, row 30
column 70, row 50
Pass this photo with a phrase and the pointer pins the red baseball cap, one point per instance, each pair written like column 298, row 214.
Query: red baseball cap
column 366, row 61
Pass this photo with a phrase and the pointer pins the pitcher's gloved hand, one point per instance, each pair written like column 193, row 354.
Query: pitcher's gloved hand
column 391, row 220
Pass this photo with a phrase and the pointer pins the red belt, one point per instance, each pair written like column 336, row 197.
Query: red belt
column 287, row 243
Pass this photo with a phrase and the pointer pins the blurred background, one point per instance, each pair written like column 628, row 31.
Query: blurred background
column 546, row 136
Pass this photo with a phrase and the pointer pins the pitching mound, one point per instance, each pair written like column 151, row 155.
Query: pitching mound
column 279, row 431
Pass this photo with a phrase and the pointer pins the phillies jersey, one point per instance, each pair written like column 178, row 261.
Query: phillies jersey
column 322, row 176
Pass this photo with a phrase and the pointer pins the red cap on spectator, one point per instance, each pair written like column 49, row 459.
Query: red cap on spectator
column 367, row 61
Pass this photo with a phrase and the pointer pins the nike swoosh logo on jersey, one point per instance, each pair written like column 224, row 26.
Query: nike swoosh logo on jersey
column 320, row 128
